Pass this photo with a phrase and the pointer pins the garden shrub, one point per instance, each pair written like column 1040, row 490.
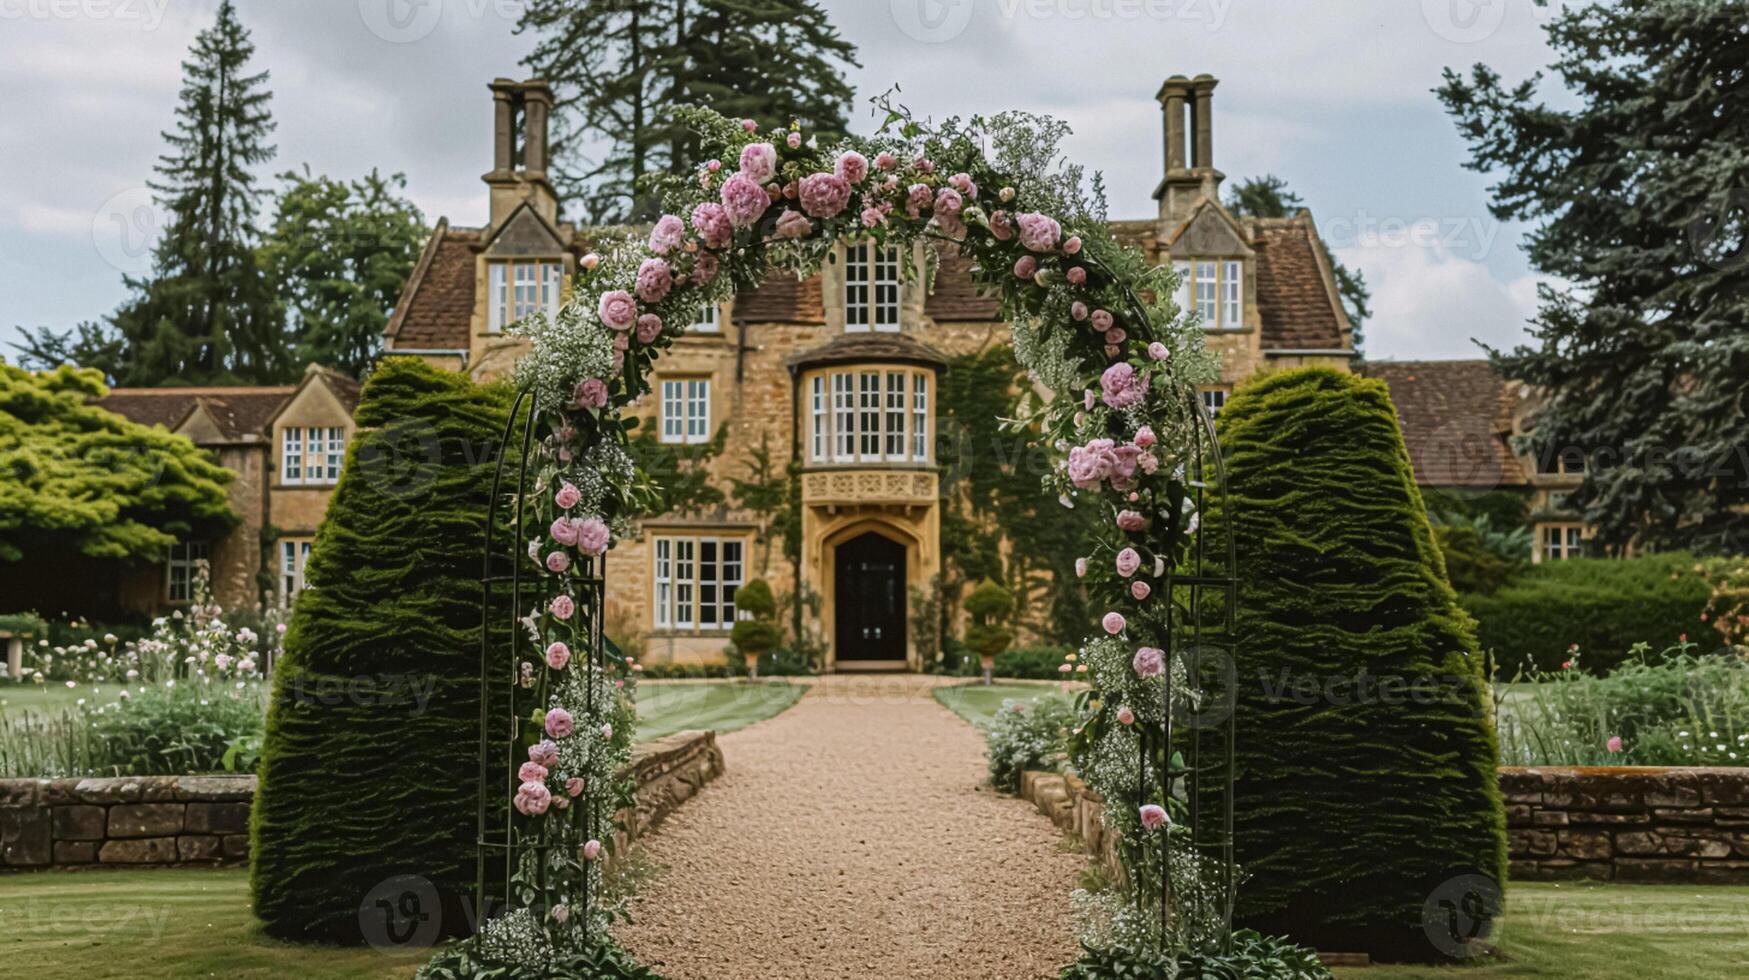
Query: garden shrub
column 989, row 606
column 1252, row 956
column 1027, row 735
column 1604, row 605
column 1366, row 758
column 1031, row 663
column 369, row 765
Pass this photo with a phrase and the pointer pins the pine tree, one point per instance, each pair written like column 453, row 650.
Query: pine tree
column 1268, row 196
column 1636, row 180
column 207, row 314
column 617, row 69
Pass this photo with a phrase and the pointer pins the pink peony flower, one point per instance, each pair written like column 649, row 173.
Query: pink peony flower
column 925, row 165
column 962, row 182
column 1076, row 275
column 1115, row 336
column 654, row 280
column 1145, row 436
column 574, row 786
column 558, row 655
column 563, row 531
column 1039, row 232
column 667, row 235
column 712, row 223
column 621, row 343
column 918, row 197
column 591, row 850
column 1129, row 520
column 591, row 393
column 1149, row 661
column 793, row 224
column 759, row 162
column 558, row 561
column 1102, row 320
column 1614, row 744
column 562, row 607
column 532, row 799
column 1080, row 568
column 1001, row 226
column 1139, row 590
column 618, row 310
column 1078, row 310
column 531, row 772
column 1025, row 266
column 1158, row 351
column 749, row 125
column 794, row 140
column 824, row 195
column 1153, row 817
column 1073, row 245
column 1128, row 561
column 593, row 536
column 852, row 166
column 1113, row 623
column 948, row 202
column 544, row 752
column 560, row 912
column 704, row 268
column 567, row 496
column 589, row 262
column 1092, row 464
column 559, row 723
column 872, row 217
column 884, row 161
column 1125, row 716
column 649, row 328
column 1123, row 386
column 743, row 199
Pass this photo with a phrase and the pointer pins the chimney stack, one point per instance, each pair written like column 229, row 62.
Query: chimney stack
column 520, row 111
column 1189, row 126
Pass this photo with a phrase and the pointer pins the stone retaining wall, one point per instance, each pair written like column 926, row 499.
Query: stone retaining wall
column 1628, row 823
column 1076, row 810
column 204, row 820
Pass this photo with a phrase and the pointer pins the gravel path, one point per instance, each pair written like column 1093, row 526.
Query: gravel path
column 852, row 836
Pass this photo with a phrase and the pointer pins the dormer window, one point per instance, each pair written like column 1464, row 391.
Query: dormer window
column 1214, row 289
column 871, row 288
column 520, row 288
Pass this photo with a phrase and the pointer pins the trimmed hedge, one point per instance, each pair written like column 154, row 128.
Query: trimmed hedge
column 1605, row 605
column 369, row 764
column 1353, row 804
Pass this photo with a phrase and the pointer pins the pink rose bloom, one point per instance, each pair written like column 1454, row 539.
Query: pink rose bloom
column 1078, row 310
column 743, row 199
column 749, row 125
column 1076, row 275
column 1115, row 336
column 1129, row 520
column 1080, row 568
column 544, row 752
column 885, row 161
column 704, row 268
column 667, row 235
column 618, row 310
column 589, row 262
column 1144, row 438
column 713, row 224
column 558, row 655
column 852, row 166
column 593, row 536
column 759, row 162
column 948, row 201
column 649, row 328
column 654, row 280
column 1122, row 386
column 1001, row 226
column 532, row 799
column 562, row 607
column 591, row 850
column 1158, row 351
column 1113, row 623
column 1073, row 245
column 925, row 165
column 824, row 195
column 872, row 217
column 794, row 140
column 1139, row 590
column 1025, row 266
column 1039, row 232
column 918, row 197
column 1149, row 661
column 1124, row 460
column 558, row 561
column 574, row 786
column 1148, row 462
column 531, row 772
column 559, row 723
column 713, row 165
column 1091, row 464
column 1153, row 817
column 621, row 343
column 1614, row 743
column 563, row 531
column 560, row 912
column 962, row 182
column 567, row 496
column 592, row 393
column 1128, row 561
column 793, row 224
column 1125, row 716
column 1102, row 320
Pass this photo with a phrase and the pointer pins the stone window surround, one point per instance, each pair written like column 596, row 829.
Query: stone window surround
column 831, row 409
column 734, row 533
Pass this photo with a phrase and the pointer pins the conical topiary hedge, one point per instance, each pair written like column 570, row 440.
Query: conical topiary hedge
column 1367, row 791
column 369, row 765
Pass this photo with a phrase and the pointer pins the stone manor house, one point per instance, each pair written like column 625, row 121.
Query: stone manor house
column 838, row 372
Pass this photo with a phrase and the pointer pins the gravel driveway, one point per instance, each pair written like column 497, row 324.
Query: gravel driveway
column 852, row 836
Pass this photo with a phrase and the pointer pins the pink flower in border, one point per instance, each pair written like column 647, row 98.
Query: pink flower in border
column 567, row 496
column 962, row 182
column 1149, row 662
column 885, row 161
column 759, row 162
column 704, row 268
column 743, row 199
column 794, row 140
column 1080, row 568
column 606, row 732
column 872, row 217
column 559, row 723
column 531, row 772
column 918, row 197
column 1078, row 310
column 1123, row 386
column 1113, row 623
column 1025, row 266
column 667, row 235
column 617, row 309
column 1153, row 817
column 793, row 224
column 1128, row 561
column 621, row 343
column 1092, row 464
column 712, row 223
column 948, row 202
column 824, row 195
column 1076, row 275
column 591, row 393
column 1073, row 245
column 1140, row 590
column 558, row 561
column 532, row 799
column 1159, row 351
column 1129, row 520
column 654, row 280
column 852, row 166
column 574, row 786
column 1115, row 336
column 562, row 607
column 544, row 752
column 558, row 655
column 749, row 125
column 1088, row 398
column 561, row 913
column 593, row 536
column 1102, row 320
column 563, row 531
column 1125, row 716
column 1614, row 744
column 591, row 850
column 1001, row 226
column 649, row 328
column 1039, row 232
column 1145, row 436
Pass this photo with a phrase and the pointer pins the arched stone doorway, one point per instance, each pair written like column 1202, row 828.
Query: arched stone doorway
column 869, row 597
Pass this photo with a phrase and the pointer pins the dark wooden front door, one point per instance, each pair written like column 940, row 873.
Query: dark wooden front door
column 870, row 599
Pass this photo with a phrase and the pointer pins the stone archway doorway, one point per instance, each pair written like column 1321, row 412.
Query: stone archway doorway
column 869, row 599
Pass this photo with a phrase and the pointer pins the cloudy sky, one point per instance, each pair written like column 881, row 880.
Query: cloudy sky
column 1334, row 97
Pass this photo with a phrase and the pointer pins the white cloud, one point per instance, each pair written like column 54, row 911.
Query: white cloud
column 1429, row 303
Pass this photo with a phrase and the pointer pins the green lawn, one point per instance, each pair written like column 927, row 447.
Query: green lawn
column 978, row 704
column 664, row 709
column 53, row 696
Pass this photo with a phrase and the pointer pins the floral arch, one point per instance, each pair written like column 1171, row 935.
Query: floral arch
column 1094, row 325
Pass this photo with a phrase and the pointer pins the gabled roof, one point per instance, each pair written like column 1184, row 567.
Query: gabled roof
column 1296, row 295
column 781, row 298
column 1456, row 418
column 436, row 306
column 956, row 298
column 241, row 414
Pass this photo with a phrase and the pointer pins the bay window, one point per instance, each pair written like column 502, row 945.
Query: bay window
column 861, row 415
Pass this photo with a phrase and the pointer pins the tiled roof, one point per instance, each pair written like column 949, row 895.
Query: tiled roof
column 955, row 297
column 897, row 348
column 240, row 413
column 1293, row 298
column 1456, row 417
column 782, row 299
column 438, row 303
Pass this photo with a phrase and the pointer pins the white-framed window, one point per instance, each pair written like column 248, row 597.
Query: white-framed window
column 520, row 288
column 686, row 410
column 696, row 578
column 710, row 320
column 1214, row 399
column 294, row 555
column 1214, row 289
column 874, row 415
column 311, row 456
column 1562, row 541
column 871, row 288
column 179, row 569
